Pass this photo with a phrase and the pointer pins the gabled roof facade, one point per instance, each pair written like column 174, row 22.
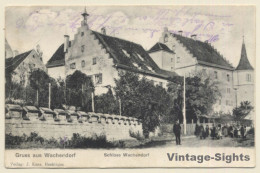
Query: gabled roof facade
column 12, row 63
column 160, row 47
column 58, row 58
column 204, row 52
column 244, row 63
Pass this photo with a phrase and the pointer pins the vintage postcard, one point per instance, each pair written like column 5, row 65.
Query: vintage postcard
column 130, row 86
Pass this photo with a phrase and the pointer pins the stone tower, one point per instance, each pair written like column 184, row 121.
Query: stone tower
column 244, row 79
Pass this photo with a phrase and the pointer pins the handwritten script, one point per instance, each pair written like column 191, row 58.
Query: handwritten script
column 207, row 26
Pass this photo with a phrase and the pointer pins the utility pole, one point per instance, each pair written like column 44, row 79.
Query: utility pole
column 184, row 106
column 120, row 108
column 82, row 95
column 37, row 96
column 93, row 104
column 49, row 95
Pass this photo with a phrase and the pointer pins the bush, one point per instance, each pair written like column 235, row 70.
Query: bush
column 76, row 141
column 136, row 135
column 13, row 140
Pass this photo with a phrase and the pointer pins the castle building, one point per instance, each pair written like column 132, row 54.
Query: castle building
column 189, row 56
column 56, row 64
column 104, row 57
column 20, row 66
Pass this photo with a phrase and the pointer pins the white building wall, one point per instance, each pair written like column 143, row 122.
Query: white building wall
column 31, row 62
column 57, row 72
column 244, row 86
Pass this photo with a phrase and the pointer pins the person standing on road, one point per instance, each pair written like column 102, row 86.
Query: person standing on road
column 177, row 132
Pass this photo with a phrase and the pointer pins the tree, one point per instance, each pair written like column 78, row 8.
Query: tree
column 141, row 99
column 201, row 95
column 39, row 80
column 243, row 110
column 107, row 103
column 78, row 90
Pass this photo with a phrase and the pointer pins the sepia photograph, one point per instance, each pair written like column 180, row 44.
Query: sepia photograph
column 128, row 80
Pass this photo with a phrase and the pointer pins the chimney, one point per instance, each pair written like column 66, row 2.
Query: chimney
column 180, row 32
column 66, row 43
column 194, row 37
column 15, row 53
column 165, row 29
column 103, row 30
column 38, row 49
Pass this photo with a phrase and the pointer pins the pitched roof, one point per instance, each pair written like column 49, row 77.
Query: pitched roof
column 58, row 58
column 130, row 55
column 12, row 63
column 244, row 64
column 158, row 47
column 204, row 52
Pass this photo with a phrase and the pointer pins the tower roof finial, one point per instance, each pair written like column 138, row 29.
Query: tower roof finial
column 85, row 12
column 243, row 37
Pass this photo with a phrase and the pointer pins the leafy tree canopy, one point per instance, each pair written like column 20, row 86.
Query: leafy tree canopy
column 243, row 110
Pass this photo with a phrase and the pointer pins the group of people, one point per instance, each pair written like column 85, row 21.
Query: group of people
column 217, row 132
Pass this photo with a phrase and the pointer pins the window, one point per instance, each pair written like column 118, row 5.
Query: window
column 228, row 78
column 94, row 60
column 178, row 59
column 82, row 34
column 215, row 74
column 31, row 66
column 173, row 48
column 98, row 78
column 219, row 102
column 171, row 59
column 82, row 48
column 73, row 65
column 160, row 84
column 33, row 56
column 248, row 77
column 82, row 63
column 228, row 90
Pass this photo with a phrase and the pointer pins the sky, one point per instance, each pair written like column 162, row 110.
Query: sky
column 222, row 26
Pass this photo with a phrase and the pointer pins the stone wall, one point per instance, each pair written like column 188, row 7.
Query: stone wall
column 113, row 126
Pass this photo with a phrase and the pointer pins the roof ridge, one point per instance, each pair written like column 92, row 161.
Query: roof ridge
column 210, row 54
column 116, row 38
